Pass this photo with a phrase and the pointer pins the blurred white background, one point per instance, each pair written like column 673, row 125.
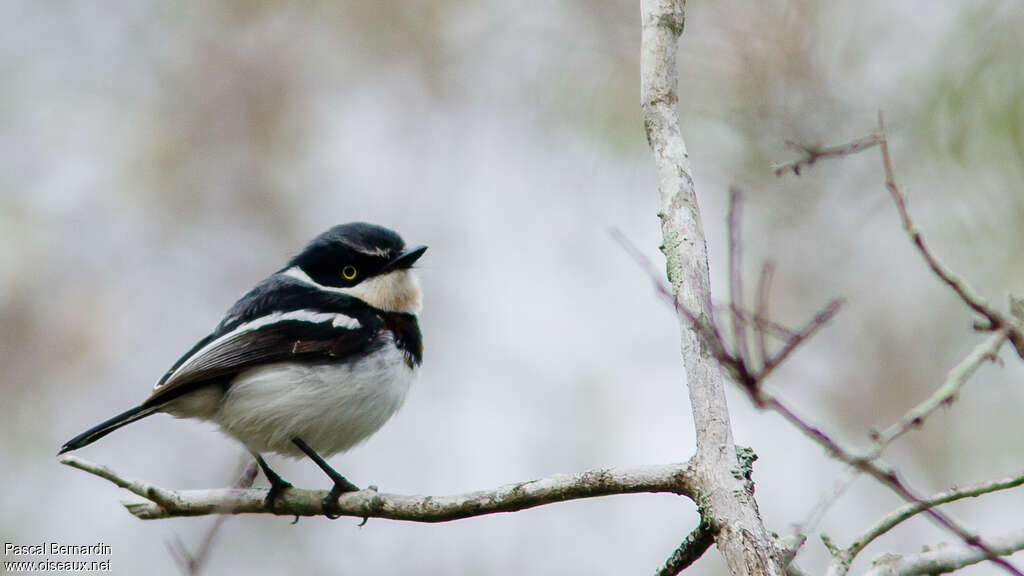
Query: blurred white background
column 160, row 158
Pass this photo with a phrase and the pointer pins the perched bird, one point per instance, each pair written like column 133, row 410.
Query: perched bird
column 313, row 360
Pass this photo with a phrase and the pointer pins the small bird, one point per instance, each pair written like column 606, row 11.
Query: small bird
column 313, row 360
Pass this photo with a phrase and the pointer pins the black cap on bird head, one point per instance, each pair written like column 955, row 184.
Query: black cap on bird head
column 349, row 253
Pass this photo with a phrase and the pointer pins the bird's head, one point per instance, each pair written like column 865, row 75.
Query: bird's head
column 363, row 260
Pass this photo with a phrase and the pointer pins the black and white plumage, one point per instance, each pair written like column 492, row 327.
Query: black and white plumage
column 315, row 358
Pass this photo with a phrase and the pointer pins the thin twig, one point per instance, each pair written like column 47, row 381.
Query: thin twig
column 946, row 394
column 812, row 153
column 994, row 319
column 908, row 511
column 709, row 334
column 823, row 317
column 707, row 331
column 987, row 350
column 962, row 289
column 766, row 327
column 739, row 333
column 886, row 476
column 750, row 380
column 995, row 322
column 159, row 496
column 762, row 324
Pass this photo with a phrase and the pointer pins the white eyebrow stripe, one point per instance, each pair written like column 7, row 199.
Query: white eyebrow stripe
column 299, row 274
column 337, row 319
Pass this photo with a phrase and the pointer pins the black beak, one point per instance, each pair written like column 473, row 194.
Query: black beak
column 406, row 259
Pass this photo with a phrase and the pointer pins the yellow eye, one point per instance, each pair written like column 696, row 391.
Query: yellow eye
column 349, row 272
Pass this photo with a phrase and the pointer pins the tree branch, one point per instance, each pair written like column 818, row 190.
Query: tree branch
column 946, row 394
column 813, row 153
column 691, row 549
column 1004, row 328
column 994, row 319
column 962, row 289
column 726, row 502
column 154, row 502
column 888, row 477
column 843, row 558
column 944, row 559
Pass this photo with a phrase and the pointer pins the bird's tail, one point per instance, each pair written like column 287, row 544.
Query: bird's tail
column 100, row 430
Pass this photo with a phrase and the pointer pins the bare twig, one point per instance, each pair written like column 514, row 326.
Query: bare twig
column 942, row 559
column 995, row 321
column 885, row 475
column 813, row 153
column 764, row 327
column 739, row 332
column 691, row 549
column 750, row 380
column 915, row 417
column 158, row 496
column 673, row 478
column 965, row 292
column 993, row 318
column 738, row 367
column 843, row 558
column 823, row 317
column 762, row 324
column 706, row 331
column 946, row 394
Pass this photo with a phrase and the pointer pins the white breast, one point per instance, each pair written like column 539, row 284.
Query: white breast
column 332, row 407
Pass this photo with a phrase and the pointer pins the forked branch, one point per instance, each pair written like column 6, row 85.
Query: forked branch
column 1002, row 327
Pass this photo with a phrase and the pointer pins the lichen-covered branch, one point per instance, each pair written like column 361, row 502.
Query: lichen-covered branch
column 153, row 502
column 689, row 551
column 726, row 500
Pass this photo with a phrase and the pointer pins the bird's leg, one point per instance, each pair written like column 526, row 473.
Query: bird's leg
column 277, row 484
column 341, row 484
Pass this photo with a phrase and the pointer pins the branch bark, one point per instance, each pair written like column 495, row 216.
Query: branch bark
column 691, row 549
column 727, row 501
column 152, row 502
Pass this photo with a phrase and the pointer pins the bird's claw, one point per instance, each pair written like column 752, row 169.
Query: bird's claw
column 274, row 494
column 330, row 506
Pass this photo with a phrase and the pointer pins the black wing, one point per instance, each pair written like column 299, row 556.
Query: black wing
column 304, row 335
column 276, row 293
